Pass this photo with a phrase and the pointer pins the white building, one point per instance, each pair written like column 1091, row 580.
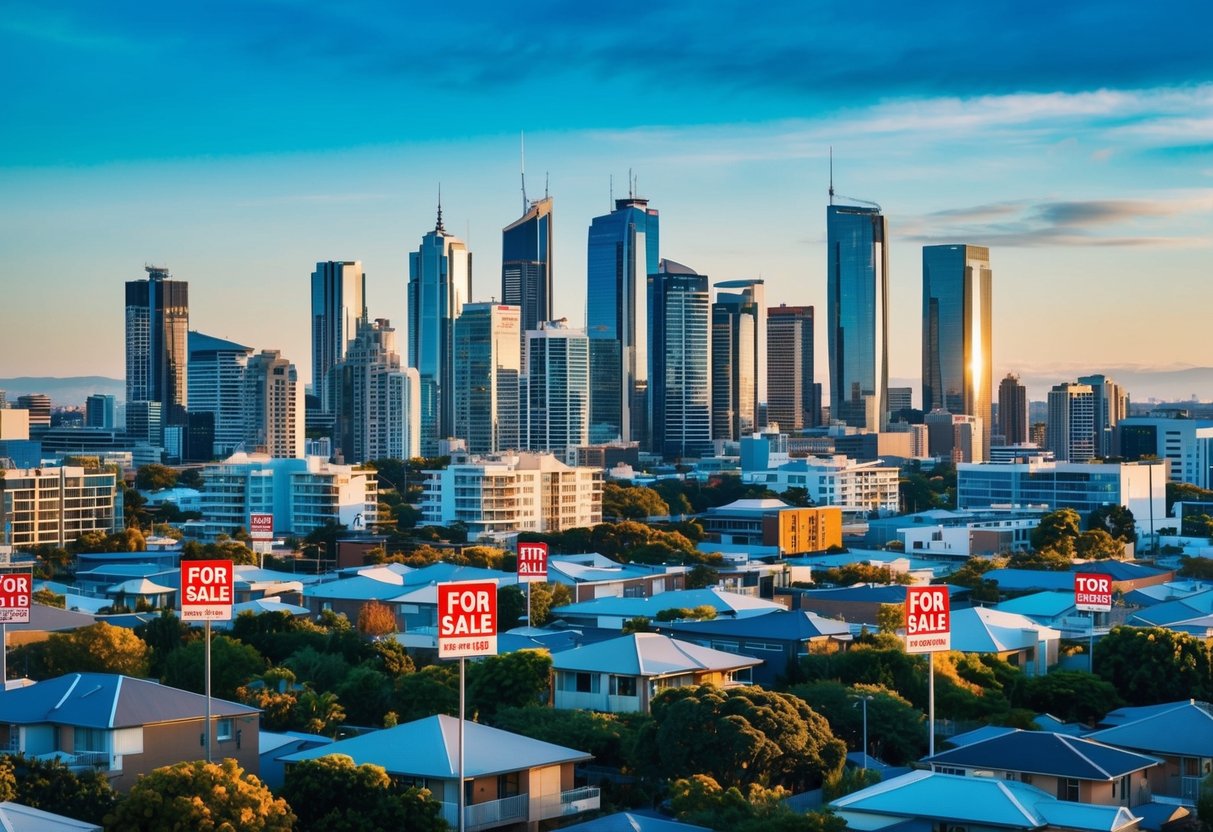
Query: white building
column 56, row 505
column 1071, row 434
column 500, row 495
column 488, row 363
column 302, row 494
column 377, row 401
column 857, row 487
column 556, row 389
column 1186, row 445
column 273, row 406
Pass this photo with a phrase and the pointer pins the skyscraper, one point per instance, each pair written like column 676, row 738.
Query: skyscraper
column 751, row 293
column 526, row 264
column 680, row 382
column 488, row 362
column 1111, row 406
column 338, row 304
column 556, row 389
column 39, row 407
column 216, row 375
column 957, row 366
column 734, row 388
column 157, row 353
column 440, row 283
column 1071, row 428
column 99, row 411
column 273, row 406
column 1013, row 410
column 378, row 402
column 857, row 311
column 793, row 397
column 622, row 252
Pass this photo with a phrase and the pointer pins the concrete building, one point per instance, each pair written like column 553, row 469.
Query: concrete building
column 498, row 496
column 488, row 363
column 680, row 381
column 100, row 411
column 338, row 305
column 1186, row 445
column 377, row 407
column 955, row 437
column 38, row 406
column 526, row 263
column 1110, row 405
column 793, row 397
column 157, row 350
column 273, row 406
column 216, row 385
column 1013, row 410
column 56, row 505
column 858, row 488
column 770, row 522
column 739, row 346
column 555, row 389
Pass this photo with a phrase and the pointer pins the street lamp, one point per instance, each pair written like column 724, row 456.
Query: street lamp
column 864, row 699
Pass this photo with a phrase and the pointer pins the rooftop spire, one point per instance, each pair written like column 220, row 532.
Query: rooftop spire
column 522, row 169
column 438, row 225
column 831, row 174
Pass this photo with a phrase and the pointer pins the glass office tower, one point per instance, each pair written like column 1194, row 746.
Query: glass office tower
column 622, row 254
column 857, row 314
column 680, row 381
column 526, row 264
column 338, row 307
column 157, row 348
column 957, row 366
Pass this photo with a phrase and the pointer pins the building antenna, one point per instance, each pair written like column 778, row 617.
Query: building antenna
column 831, row 174
column 611, row 205
column 631, row 192
column 546, row 179
column 522, row 168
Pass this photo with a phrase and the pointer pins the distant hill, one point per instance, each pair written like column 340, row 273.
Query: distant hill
column 1142, row 383
column 64, row 392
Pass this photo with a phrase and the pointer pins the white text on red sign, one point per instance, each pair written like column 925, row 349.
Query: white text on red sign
column 206, row 590
column 467, row 619
column 15, row 594
column 1092, row 592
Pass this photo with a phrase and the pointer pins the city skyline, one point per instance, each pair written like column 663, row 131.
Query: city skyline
column 1079, row 154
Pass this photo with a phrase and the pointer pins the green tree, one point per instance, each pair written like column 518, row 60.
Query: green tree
column 1187, row 493
column 632, row 502
column 972, row 575
column 896, row 729
column 509, row 680
column 97, row 648
column 1151, row 665
column 366, row 694
column 190, row 478
column 1204, row 804
column 376, row 619
column 53, row 787
column 331, row 794
column 609, row 737
column 639, row 624
column 701, row 800
column 233, row 664
column 1116, row 520
column 318, row 712
column 1071, row 696
column 546, row 597
column 208, row 797
column 1044, row 560
column 1057, row 531
column 1196, row 567
column 861, row 573
column 48, row 598
column 702, row 576
column 1097, row 544
column 739, row 736
column 323, row 671
column 155, row 477
column 431, row 690
column 511, row 606
column 163, row 634
column 276, row 693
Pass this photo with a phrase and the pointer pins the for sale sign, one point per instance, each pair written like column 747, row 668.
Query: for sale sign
column 467, row 619
column 261, row 526
column 1092, row 592
column 928, row 619
column 207, row 590
column 15, row 592
column 532, row 563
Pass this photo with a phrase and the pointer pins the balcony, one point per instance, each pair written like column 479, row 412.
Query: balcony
column 494, row 813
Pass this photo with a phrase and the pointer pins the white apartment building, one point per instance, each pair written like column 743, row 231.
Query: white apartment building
column 302, row 494
column 496, row 496
column 57, row 505
column 856, row 487
column 273, row 406
column 1186, row 445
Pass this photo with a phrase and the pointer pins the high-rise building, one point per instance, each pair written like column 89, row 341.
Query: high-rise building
column 338, row 304
column 750, row 294
column 1186, row 444
column 957, row 365
column 157, row 352
column 555, row 389
column 488, row 363
column 900, row 398
column 957, row 437
column 55, row 506
column 793, row 398
column 526, row 264
column 680, row 382
column 1013, row 410
column 39, row 407
column 440, row 283
column 857, row 313
column 1111, row 405
column 622, row 252
column 273, row 406
column 1071, row 432
column 216, row 375
column 99, row 411
column 378, row 406
column 145, row 423
column 734, row 390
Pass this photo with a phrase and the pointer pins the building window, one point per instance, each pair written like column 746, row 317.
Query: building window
column 508, row 785
column 1067, row 789
column 586, row 683
column 223, row 729
column 90, row 739
column 623, row 686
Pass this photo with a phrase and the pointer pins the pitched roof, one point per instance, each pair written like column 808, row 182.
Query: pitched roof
column 632, row 822
column 108, row 700
column 1046, row 604
column 429, row 747
column 1044, row 752
column 871, row 593
column 1178, row 610
column 728, row 603
column 948, row 797
column 986, row 630
column 786, row 625
column 50, row 619
column 1184, row 729
column 200, row 342
column 648, row 654
column 15, row 817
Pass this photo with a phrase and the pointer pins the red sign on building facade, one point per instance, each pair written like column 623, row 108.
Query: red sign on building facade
column 532, row 563
column 207, row 589
column 1092, row 592
column 928, row 619
column 15, row 593
column 467, row 619
column 261, row 526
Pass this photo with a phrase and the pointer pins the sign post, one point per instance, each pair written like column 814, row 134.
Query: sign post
column 261, row 531
column 207, row 589
column 929, row 630
column 532, row 568
column 1092, row 593
column 467, row 626
column 16, row 594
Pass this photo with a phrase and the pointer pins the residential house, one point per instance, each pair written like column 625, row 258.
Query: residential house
column 1180, row 733
column 593, row 575
column 1051, row 608
column 1016, row 639
column 1069, row 767
column 1126, row 576
column 122, row 726
column 780, row 638
column 509, row 779
column 275, row 746
column 622, row 675
column 860, row 604
column 611, row 613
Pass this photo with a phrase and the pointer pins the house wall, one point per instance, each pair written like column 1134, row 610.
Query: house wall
column 168, row 743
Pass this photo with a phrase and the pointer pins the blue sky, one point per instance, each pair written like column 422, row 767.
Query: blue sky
column 241, row 142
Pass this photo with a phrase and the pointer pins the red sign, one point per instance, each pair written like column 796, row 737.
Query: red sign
column 928, row 619
column 1092, row 592
column 467, row 619
column 261, row 526
column 207, row 587
column 15, row 592
column 532, row 563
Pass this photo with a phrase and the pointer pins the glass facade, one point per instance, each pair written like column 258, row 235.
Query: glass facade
column 557, row 390
column 957, row 365
column 338, row 305
column 157, row 349
column 622, row 252
column 488, row 362
column 857, row 313
column 734, row 388
column 792, row 393
column 526, row 264
column 679, row 375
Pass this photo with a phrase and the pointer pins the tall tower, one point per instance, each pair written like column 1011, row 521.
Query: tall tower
column 157, row 351
column 216, row 374
column 1071, row 428
column 440, row 283
column 957, row 366
column 1111, row 405
column 857, row 311
column 794, row 399
column 526, row 264
column 680, row 381
column 749, row 297
column 273, row 406
column 488, row 362
column 338, row 305
column 622, row 252
column 1013, row 410
column 378, row 408
column 556, row 389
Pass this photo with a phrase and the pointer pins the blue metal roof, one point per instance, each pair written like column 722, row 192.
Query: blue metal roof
column 632, row 822
column 779, row 625
column 1044, row 752
column 1184, row 729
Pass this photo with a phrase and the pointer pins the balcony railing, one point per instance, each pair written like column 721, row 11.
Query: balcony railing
column 509, row 810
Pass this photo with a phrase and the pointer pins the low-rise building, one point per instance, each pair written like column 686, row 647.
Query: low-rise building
column 858, row 488
column 771, row 522
column 56, row 506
